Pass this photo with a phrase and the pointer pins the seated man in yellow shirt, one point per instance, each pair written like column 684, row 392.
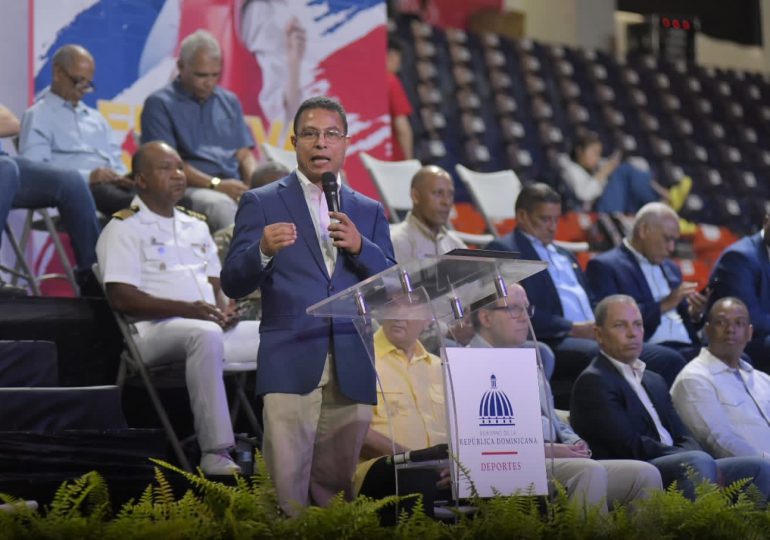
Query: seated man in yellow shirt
column 413, row 405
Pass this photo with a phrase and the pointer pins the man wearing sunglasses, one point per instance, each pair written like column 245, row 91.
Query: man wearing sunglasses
column 62, row 130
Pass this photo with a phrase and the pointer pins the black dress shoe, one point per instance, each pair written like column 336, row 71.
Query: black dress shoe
column 89, row 287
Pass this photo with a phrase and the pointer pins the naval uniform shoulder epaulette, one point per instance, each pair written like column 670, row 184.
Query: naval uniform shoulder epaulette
column 192, row 213
column 125, row 213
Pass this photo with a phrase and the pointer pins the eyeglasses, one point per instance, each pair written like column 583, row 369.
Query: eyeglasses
column 331, row 136
column 80, row 83
column 516, row 310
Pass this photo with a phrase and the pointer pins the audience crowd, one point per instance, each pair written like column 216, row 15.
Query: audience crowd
column 661, row 379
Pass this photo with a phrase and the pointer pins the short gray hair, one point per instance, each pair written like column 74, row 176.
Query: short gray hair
column 653, row 212
column 604, row 306
column 200, row 39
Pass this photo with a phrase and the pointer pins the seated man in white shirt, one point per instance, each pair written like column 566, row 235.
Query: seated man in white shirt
column 160, row 267
column 424, row 231
column 721, row 398
column 586, row 480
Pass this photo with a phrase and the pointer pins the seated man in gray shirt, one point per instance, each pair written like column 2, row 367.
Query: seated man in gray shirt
column 424, row 231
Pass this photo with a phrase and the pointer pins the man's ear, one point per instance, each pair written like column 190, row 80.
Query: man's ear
column 598, row 334
column 415, row 196
column 139, row 180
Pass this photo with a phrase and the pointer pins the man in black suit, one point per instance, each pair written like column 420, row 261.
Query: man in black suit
column 625, row 412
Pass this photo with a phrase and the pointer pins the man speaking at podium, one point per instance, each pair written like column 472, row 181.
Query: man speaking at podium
column 315, row 375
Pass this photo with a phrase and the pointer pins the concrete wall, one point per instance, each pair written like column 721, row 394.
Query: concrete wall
column 584, row 23
column 720, row 53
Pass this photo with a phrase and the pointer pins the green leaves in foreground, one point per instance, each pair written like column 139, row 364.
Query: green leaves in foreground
column 81, row 509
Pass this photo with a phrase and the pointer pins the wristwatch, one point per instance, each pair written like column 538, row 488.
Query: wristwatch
column 214, row 182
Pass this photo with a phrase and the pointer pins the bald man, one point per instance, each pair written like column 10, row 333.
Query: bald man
column 641, row 268
column 424, row 231
column 62, row 130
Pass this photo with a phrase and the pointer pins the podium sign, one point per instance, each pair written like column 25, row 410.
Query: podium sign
column 495, row 423
column 444, row 291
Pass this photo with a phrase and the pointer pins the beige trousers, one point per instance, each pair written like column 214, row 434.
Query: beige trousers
column 605, row 482
column 312, row 443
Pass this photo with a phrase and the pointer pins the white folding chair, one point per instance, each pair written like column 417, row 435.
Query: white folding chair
column 35, row 218
column 494, row 194
column 280, row 155
column 152, row 377
column 393, row 180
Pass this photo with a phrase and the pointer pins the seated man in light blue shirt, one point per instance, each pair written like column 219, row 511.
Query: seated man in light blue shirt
column 62, row 130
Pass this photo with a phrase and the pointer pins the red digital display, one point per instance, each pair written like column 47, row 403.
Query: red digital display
column 676, row 23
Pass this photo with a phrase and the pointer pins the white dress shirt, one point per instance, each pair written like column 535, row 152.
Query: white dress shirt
column 671, row 327
column 726, row 409
column 633, row 374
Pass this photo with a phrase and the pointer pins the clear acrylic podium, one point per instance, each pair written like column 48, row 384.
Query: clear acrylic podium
column 443, row 292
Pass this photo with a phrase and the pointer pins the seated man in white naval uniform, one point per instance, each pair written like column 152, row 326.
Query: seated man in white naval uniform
column 161, row 268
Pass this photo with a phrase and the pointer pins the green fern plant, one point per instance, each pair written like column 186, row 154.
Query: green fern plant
column 249, row 509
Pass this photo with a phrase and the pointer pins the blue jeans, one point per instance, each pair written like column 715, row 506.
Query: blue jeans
column 672, row 468
column 27, row 184
column 627, row 190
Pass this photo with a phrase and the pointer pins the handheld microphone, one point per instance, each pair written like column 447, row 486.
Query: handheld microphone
column 440, row 451
column 329, row 185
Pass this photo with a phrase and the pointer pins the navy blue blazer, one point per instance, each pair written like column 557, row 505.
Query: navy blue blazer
column 606, row 412
column 293, row 344
column 618, row 272
column 549, row 321
column 743, row 271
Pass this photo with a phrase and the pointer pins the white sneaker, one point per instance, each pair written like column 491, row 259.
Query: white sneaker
column 218, row 465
